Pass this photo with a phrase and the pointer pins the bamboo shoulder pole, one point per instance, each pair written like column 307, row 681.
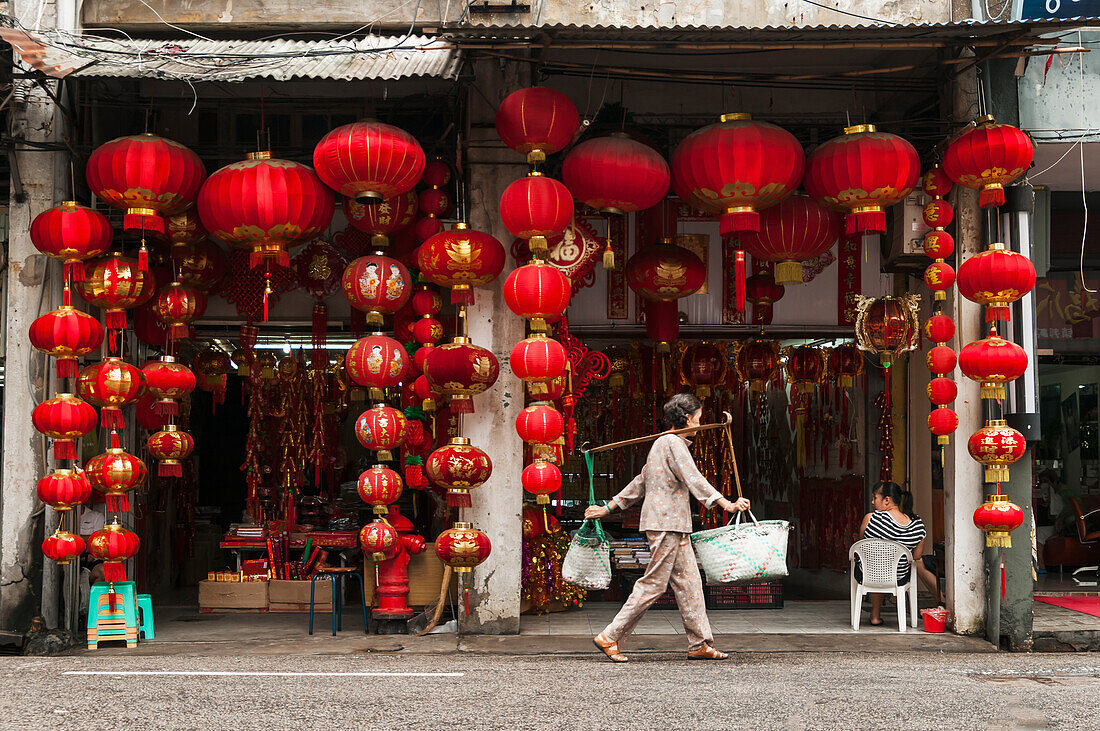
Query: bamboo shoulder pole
column 639, row 440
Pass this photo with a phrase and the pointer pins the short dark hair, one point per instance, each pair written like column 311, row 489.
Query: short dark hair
column 679, row 408
column 902, row 498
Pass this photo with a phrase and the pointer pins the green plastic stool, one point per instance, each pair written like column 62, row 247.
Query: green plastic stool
column 125, row 589
column 145, row 610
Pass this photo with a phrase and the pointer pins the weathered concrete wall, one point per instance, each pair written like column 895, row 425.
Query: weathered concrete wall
column 242, row 14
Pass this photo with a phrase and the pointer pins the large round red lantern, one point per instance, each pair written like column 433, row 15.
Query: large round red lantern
column 72, row 233
column 461, row 259
column 146, row 176
column 381, row 220
column 461, row 370
column 62, row 547
column 115, row 473
column 115, row 283
column 993, row 362
column 377, row 285
column 536, row 208
column 65, row 419
column 177, row 306
column 862, row 173
column 939, row 277
column 379, row 487
column 459, row 467
column 266, row 206
column 381, row 429
column 794, row 231
column 757, row 363
column 997, row 517
column 943, row 422
column 537, row 292
column 463, row 547
column 737, row 167
column 66, row 334
column 996, row 445
column 169, row 382
column 541, row 479
column 376, row 362
column 380, row 540
column 843, row 364
column 170, row 447
column 540, row 423
column 996, row 278
column 805, row 367
column 987, row 158
column 662, row 323
column 64, row 489
column 538, row 360
column 616, row 175
column 537, row 122
column 665, row 272
column 941, row 359
column 369, row 161
column 110, row 384
column 203, row 266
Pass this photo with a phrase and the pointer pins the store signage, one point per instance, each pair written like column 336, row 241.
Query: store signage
column 1057, row 9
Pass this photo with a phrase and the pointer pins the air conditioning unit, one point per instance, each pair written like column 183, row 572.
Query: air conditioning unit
column 907, row 229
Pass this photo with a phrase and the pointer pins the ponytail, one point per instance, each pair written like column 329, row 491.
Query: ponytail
column 902, row 498
column 907, row 504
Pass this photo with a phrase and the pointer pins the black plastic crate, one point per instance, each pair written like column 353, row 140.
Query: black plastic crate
column 766, row 595
column 627, row 581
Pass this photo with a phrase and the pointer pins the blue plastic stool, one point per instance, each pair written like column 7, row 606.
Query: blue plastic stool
column 336, row 576
column 145, row 609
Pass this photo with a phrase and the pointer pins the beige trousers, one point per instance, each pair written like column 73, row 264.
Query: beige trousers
column 673, row 563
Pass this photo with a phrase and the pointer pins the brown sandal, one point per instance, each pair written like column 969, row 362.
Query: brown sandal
column 611, row 649
column 706, row 652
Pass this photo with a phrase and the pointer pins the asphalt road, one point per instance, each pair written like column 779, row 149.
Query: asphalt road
column 653, row 691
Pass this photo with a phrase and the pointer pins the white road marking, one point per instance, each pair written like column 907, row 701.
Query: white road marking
column 219, row 673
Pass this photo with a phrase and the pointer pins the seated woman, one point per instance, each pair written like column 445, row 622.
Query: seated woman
column 893, row 519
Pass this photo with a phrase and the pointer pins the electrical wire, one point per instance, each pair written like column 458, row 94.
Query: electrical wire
column 1081, row 148
column 852, row 15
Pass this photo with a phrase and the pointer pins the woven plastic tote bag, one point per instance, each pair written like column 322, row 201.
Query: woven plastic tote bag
column 587, row 563
column 743, row 553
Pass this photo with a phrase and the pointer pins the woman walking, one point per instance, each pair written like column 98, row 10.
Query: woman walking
column 666, row 480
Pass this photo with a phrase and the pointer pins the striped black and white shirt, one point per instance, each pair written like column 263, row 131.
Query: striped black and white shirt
column 885, row 526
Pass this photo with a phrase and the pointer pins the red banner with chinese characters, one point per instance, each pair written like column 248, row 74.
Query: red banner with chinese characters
column 849, row 277
column 616, row 278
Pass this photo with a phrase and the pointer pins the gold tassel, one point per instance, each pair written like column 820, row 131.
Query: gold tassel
column 608, row 256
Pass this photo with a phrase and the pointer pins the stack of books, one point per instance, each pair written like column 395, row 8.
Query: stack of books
column 247, row 531
column 630, row 554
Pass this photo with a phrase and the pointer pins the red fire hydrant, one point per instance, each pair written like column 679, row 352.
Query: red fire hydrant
column 393, row 573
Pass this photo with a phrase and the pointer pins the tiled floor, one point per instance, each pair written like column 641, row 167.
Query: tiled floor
column 1049, row 618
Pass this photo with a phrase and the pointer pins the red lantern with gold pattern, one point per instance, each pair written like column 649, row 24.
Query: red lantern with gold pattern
column 113, row 545
column 939, row 329
column 379, row 487
column 170, row 447
column 183, row 232
column 862, row 173
column 111, row 385
column 665, row 272
column 537, row 292
column 541, row 479
column 993, row 362
column 115, row 473
column 762, row 291
column 939, row 277
column 536, row 208
column 461, row 259
column 794, row 231
column 64, row 489
column 65, row 419
column 616, row 175
column 434, row 202
column 203, row 266
column 996, row 445
column 941, row 359
column 459, row 467
column 383, row 219
column 380, row 540
column 426, row 301
column 463, row 547
column 987, row 158
column 537, row 122
column 805, row 367
column 997, row 517
column 427, row 395
column 376, row 362
column 757, row 363
column 936, row 182
column 427, row 331
column 538, row 360
column 938, row 214
column 169, row 382
column 887, row 326
column 377, row 285
column 938, row 245
column 942, row 391
column 72, row 233
column 843, row 364
column 369, row 161
column 381, row 429
column 943, row 422
column 66, row 333
column 115, row 283
column 62, row 547
column 540, row 423
column 703, row 366
column 737, row 168
column 177, row 306
column 461, row 370
column 996, row 278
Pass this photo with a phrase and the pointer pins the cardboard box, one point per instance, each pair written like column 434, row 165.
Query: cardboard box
column 293, row 596
column 233, row 595
column 425, row 577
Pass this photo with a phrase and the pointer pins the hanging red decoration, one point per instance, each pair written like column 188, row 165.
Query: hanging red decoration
column 616, row 175
column 384, row 219
column 381, row 429
column 115, row 283
column 66, row 333
column 942, row 391
column 377, row 285
column 538, row 360
column 996, row 445
column 537, row 292
column 805, row 367
column 757, row 363
column 536, row 209
column 380, row 487
column 993, row 362
column 941, row 359
column 540, row 423
column 936, row 182
column 65, row 419
column 458, row 467
column 170, row 447
column 737, row 167
column 938, row 214
column 177, row 306
column 461, row 259
column 996, row 278
column 843, row 364
column 541, row 479
column 72, row 233
column 997, row 517
column 463, row 547
column 203, row 266
column 939, row 329
column 423, row 391
column 115, row 473
column 987, row 158
column 665, row 272
column 461, row 370
column 62, row 547
column 862, row 173
column 434, row 202
column 887, row 326
column 762, row 291
column 537, row 122
column 169, row 382
column 64, row 489
column 943, row 422
column 113, row 545
column 794, row 231
column 111, row 385
column 369, row 161
column 376, row 362
column 427, row 331
column 380, row 540
column 938, row 245
column 183, row 232
column 426, row 302
column 703, row 366
column 939, row 277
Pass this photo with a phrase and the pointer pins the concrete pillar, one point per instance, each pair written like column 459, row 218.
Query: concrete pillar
column 495, row 585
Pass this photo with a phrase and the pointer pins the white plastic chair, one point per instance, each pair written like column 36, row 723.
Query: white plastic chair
column 880, row 561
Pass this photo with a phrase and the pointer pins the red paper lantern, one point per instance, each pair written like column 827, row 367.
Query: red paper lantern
column 540, row 424
column 369, row 161
column 941, row 359
column 381, row 429
column 703, row 366
column 939, row 277
column 111, row 385
column 996, row 445
column 424, row 391
column 115, row 473
column 64, row 418
column 380, row 540
column 541, row 479
column 665, row 272
column 266, row 206
column 537, row 292
column 379, row 487
column 463, row 547
column 662, row 323
column 434, row 202
column 762, row 290
column 426, row 302
column 113, row 545
column 72, row 233
column 943, row 422
column 66, row 333
column 115, row 284
column 843, row 364
column 757, row 362
column 147, row 417
column 64, row 489
column 938, row 245
column 938, row 214
column 942, row 391
column 381, row 220
column 738, row 168
column 425, row 228
column 183, row 232
column 616, row 175
column 202, row 267
column 538, row 360
column 212, row 365
column 936, row 182
column 993, row 362
column 537, row 122
column 461, row 370
column 376, row 362
column 887, row 326
column 62, row 547
column 536, row 208
column 170, row 447
column 987, row 158
column 794, row 231
column 461, row 259
column 862, row 172
column 169, row 382
column 177, row 306
column 377, row 285
column 939, row 329
column 997, row 517
column 805, row 367
column 146, row 176
column 459, row 467
column 437, row 173
column 996, row 278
